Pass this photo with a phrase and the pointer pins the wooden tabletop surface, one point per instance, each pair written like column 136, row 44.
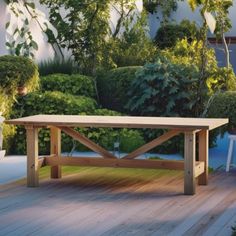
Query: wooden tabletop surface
column 119, row 121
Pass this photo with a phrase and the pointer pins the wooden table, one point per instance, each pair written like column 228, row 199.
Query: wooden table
column 189, row 126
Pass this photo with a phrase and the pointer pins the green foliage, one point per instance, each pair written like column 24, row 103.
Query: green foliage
column 6, row 102
column 220, row 10
column 83, row 30
column 16, row 72
column 221, row 79
column 134, row 47
column 9, row 132
column 189, row 53
column 75, row 84
column 48, row 103
column 53, row 103
column 166, row 7
column 86, row 31
column 169, row 34
column 113, row 87
column 223, row 105
column 57, row 66
column 106, row 137
column 211, row 77
column 129, row 139
column 164, row 89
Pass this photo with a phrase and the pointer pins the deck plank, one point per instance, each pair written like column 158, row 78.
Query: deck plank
column 112, row 204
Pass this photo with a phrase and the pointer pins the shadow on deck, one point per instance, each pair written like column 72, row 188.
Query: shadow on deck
column 106, row 201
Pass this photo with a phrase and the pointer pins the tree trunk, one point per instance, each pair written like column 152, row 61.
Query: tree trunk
column 226, row 49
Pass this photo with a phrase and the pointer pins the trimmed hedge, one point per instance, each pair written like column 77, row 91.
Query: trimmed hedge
column 59, row 103
column 17, row 71
column 48, row 103
column 75, row 84
column 113, row 87
column 54, row 103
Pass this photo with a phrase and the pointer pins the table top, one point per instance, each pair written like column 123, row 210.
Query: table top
column 120, row 121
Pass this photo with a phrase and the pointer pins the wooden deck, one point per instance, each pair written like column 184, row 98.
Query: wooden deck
column 127, row 202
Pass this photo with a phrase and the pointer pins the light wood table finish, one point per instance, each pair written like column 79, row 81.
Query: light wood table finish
column 189, row 126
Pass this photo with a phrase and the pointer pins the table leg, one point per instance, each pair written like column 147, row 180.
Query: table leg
column 32, row 156
column 55, row 136
column 203, row 155
column 189, row 163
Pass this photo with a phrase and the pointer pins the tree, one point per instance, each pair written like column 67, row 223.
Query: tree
column 220, row 10
column 84, row 28
column 165, row 6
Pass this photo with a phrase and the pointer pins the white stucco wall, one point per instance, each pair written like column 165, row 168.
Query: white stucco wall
column 3, row 17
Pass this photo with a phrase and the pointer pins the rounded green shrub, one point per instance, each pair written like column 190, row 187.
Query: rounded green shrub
column 9, row 132
column 48, row 103
column 75, row 84
column 18, row 71
column 6, row 103
column 106, row 137
column 164, row 89
column 223, row 105
column 169, row 34
column 129, row 139
column 54, row 103
column 113, row 87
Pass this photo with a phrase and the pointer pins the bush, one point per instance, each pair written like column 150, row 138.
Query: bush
column 17, row 71
column 169, row 34
column 9, row 132
column 6, row 103
column 129, row 139
column 223, row 105
column 164, row 89
column 106, row 137
column 134, row 47
column 54, row 103
column 221, row 79
column 113, row 87
column 48, row 103
column 74, row 84
column 56, row 65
